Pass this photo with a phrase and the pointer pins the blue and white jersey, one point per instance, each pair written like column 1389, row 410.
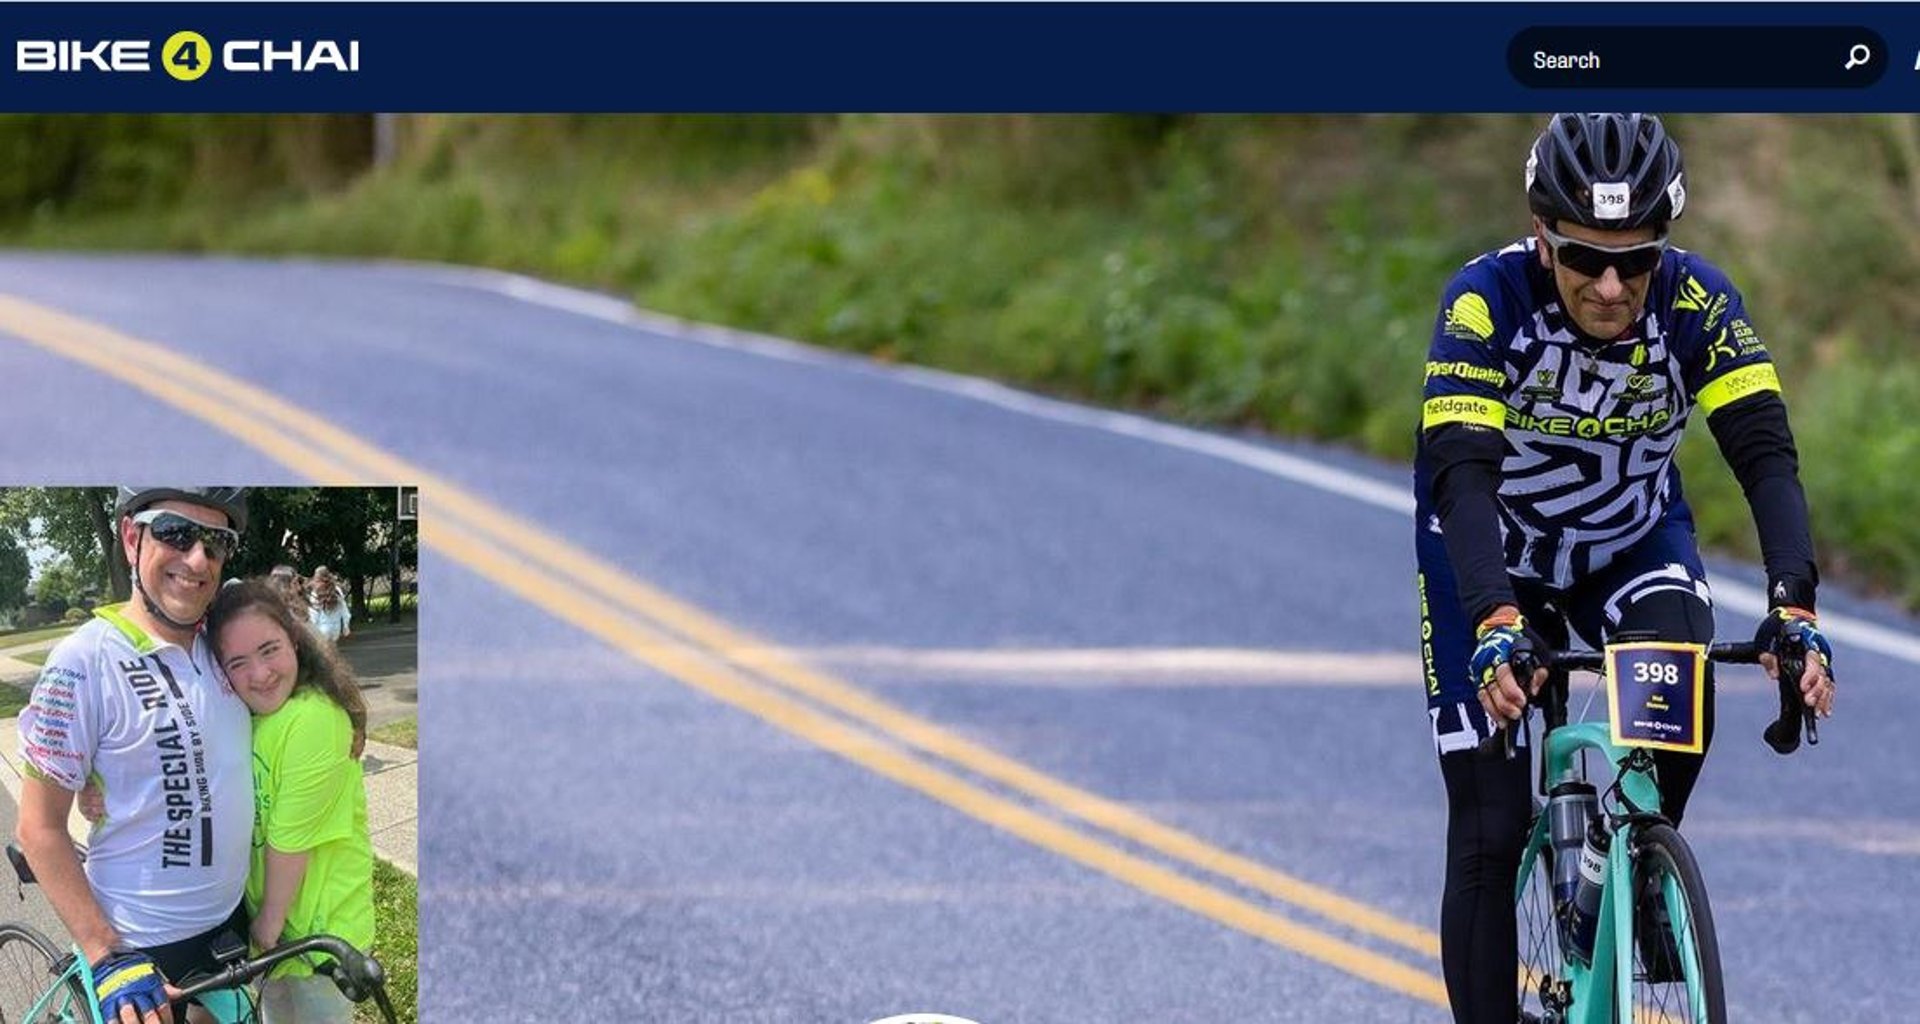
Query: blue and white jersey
column 1591, row 427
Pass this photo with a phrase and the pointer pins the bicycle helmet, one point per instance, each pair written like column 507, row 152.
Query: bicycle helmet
column 230, row 500
column 1608, row 171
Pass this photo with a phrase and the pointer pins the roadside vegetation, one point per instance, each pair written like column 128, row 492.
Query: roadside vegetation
column 402, row 733
column 1274, row 274
column 396, row 943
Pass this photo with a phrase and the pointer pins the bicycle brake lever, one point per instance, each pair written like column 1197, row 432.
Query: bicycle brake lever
column 1783, row 734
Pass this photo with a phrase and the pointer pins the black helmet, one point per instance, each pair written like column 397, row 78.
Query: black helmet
column 230, row 500
column 1610, row 171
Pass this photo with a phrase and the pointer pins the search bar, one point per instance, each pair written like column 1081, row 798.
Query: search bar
column 1707, row 57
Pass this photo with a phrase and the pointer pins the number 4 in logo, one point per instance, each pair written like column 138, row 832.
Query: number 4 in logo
column 187, row 55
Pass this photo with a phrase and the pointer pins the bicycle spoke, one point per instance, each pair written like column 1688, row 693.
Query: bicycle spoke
column 1678, row 996
column 30, row 993
column 1539, row 944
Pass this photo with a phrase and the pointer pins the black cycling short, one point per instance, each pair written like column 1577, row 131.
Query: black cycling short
column 191, row 957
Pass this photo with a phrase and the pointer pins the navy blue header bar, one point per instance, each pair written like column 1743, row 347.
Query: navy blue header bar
column 514, row 57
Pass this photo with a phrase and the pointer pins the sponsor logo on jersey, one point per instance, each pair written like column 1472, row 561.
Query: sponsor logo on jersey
column 1693, row 295
column 1545, row 385
column 1589, row 428
column 1720, row 347
column 1467, row 371
column 1469, row 318
column 1716, row 309
column 1426, row 637
column 1644, row 387
column 1485, row 412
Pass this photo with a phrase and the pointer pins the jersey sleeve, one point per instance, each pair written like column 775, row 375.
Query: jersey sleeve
column 1464, row 412
column 312, row 774
column 59, row 728
column 1466, row 368
column 1727, row 360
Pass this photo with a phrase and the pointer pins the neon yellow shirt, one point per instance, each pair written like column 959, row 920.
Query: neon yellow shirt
column 309, row 795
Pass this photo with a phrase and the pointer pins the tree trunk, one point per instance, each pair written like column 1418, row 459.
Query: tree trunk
column 119, row 583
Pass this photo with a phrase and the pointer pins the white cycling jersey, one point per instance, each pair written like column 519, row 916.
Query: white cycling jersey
column 170, row 745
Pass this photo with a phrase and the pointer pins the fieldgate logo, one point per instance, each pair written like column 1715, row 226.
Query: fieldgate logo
column 185, row 55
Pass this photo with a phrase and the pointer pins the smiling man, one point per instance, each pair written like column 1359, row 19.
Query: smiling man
column 134, row 702
column 1562, row 370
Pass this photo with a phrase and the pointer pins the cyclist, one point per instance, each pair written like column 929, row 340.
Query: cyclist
column 1562, row 370
column 135, row 702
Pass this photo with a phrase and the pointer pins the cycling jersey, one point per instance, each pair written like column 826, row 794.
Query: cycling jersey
column 1591, row 427
column 168, row 742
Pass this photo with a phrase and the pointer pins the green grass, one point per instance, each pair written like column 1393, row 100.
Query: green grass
column 396, row 943
column 12, row 699
column 378, row 605
column 35, row 635
column 34, row 657
column 403, row 733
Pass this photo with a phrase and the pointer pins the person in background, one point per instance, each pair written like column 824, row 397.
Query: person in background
column 293, row 590
column 328, row 611
column 312, row 868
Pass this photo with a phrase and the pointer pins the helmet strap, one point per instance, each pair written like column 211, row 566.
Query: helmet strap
column 153, row 607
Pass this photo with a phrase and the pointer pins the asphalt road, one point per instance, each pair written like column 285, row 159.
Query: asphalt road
column 781, row 686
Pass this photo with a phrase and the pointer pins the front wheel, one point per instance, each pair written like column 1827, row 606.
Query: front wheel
column 28, row 994
column 1676, row 954
column 1545, row 992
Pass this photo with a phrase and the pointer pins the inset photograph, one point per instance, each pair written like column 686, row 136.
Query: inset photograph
column 210, row 754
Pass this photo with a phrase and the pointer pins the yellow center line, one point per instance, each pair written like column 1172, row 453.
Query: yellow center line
column 561, row 578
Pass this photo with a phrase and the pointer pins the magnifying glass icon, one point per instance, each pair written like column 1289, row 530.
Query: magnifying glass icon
column 1858, row 56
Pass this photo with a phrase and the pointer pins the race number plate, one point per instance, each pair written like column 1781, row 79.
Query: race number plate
column 1656, row 692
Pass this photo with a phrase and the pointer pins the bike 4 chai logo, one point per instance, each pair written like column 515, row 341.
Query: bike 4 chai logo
column 186, row 56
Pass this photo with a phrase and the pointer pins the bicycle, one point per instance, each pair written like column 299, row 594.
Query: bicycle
column 28, row 958
column 1656, row 955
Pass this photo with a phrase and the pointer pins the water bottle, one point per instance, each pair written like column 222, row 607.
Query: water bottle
column 1570, row 805
column 1585, row 913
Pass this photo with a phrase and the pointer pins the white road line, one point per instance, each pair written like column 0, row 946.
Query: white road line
column 1740, row 598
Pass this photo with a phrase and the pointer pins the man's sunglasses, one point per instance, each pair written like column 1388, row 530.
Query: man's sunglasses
column 181, row 534
column 1593, row 260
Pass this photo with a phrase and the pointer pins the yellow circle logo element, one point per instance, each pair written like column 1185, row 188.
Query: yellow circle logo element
column 186, row 55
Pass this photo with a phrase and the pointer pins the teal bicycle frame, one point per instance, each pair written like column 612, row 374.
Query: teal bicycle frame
column 1607, row 982
column 1600, row 991
column 69, row 998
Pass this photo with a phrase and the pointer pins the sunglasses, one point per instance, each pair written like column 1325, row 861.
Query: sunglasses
column 1593, row 260
column 181, row 534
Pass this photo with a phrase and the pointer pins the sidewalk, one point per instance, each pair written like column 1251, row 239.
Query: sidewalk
column 22, row 673
column 393, row 784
